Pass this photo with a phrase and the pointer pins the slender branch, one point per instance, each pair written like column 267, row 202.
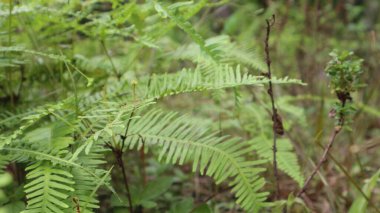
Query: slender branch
column 116, row 72
column 122, row 166
column 337, row 130
column 322, row 160
column 119, row 157
column 75, row 89
column 123, row 137
column 276, row 118
column 356, row 185
column 118, row 153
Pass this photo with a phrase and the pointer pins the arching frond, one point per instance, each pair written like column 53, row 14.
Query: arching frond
column 193, row 80
column 29, row 120
column 222, row 158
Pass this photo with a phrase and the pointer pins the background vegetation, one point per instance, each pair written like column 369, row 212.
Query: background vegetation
column 166, row 106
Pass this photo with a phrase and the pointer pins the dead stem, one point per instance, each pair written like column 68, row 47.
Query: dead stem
column 276, row 118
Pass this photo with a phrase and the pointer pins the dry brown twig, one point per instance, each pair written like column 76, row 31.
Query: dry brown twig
column 336, row 131
column 278, row 128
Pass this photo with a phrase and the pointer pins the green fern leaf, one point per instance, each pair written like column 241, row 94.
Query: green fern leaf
column 286, row 158
column 219, row 157
column 194, row 80
column 47, row 189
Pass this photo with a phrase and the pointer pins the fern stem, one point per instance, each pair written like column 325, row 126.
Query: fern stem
column 119, row 158
column 116, row 72
column 118, row 152
column 277, row 123
column 75, row 89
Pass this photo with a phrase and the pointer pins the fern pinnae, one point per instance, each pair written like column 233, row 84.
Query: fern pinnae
column 261, row 143
column 188, row 80
column 219, row 157
column 47, row 188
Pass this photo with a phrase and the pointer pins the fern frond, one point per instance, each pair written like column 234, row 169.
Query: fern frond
column 48, row 188
column 193, row 80
column 29, row 121
column 286, row 158
column 219, row 157
column 33, row 52
column 262, row 143
column 84, row 186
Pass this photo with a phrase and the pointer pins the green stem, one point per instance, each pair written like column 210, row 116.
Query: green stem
column 117, row 74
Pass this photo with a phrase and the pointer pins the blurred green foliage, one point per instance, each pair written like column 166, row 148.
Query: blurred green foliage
column 71, row 71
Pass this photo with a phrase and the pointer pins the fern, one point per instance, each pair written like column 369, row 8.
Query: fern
column 262, row 143
column 194, row 80
column 30, row 120
column 219, row 157
column 48, row 188
column 84, row 186
column 61, row 135
column 51, row 182
column 286, row 159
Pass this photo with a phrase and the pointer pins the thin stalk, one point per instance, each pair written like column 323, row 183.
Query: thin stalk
column 75, row 89
column 277, row 123
column 116, row 72
column 321, row 161
column 122, row 166
column 356, row 185
column 118, row 152
column 337, row 130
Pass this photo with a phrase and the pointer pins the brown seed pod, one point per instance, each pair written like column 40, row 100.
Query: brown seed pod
column 277, row 124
